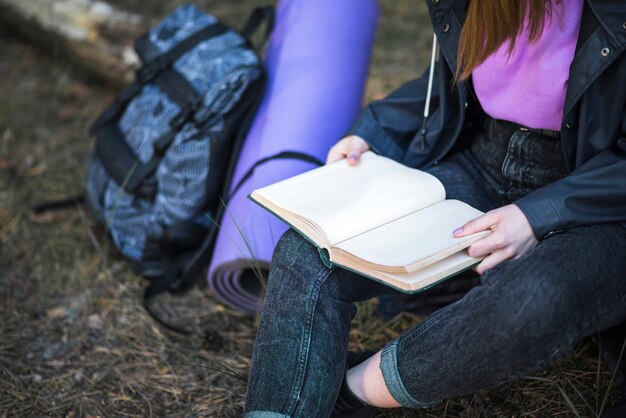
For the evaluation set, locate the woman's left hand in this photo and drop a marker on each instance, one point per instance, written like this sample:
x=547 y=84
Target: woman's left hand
x=512 y=236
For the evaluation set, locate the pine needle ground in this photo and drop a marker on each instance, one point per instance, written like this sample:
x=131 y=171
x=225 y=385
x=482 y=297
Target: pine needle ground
x=74 y=338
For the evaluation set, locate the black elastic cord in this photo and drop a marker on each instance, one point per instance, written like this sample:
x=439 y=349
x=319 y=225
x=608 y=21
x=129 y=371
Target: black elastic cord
x=296 y=155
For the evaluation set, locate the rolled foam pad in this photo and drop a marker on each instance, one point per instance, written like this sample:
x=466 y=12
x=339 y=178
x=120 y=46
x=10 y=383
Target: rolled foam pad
x=317 y=64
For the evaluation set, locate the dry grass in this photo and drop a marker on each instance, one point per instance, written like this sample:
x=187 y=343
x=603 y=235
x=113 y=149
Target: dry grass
x=74 y=339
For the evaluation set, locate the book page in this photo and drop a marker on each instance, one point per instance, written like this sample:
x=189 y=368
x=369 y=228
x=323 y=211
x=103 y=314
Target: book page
x=345 y=201
x=413 y=241
x=430 y=275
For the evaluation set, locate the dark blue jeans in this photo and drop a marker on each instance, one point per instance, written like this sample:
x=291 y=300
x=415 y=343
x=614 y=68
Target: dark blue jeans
x=526 y=313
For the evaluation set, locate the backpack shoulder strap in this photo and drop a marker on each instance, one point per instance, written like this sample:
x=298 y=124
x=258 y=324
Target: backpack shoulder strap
x=257 y=17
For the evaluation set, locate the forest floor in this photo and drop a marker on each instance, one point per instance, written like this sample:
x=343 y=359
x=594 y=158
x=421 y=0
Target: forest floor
x=74 y=338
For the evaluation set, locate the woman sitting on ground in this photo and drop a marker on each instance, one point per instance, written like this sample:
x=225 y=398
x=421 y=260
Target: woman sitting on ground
x=528 y=125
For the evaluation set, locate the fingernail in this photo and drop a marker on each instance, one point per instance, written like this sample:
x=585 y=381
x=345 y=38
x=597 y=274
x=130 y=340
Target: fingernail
x=352 y=157
x=457 y=231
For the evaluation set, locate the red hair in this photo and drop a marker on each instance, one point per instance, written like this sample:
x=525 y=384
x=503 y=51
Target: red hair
x=490 y=23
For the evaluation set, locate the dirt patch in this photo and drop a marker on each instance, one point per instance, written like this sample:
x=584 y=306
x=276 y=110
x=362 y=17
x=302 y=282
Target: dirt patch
x=74 y=338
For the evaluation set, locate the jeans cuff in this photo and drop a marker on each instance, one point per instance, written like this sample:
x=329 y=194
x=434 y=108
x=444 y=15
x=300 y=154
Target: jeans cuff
x=389 y=368
x=264 y=414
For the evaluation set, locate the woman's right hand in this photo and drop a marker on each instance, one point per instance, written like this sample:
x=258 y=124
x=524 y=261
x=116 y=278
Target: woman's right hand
x=350 y=147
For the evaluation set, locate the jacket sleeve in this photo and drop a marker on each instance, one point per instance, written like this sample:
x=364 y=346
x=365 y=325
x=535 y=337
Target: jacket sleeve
x=389 y=125
x=593 y=193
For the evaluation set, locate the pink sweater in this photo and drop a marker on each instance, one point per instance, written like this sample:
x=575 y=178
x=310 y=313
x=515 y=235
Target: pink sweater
x=529 y=86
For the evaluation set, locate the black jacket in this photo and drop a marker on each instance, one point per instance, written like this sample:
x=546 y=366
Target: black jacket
x=593 y=132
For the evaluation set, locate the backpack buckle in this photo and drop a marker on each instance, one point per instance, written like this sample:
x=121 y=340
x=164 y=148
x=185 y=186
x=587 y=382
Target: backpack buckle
x=185 y=114
x=179 y=120
x=146 y=73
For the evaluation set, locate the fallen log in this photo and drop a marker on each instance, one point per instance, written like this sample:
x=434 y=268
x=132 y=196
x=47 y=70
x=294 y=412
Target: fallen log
x=92 y=33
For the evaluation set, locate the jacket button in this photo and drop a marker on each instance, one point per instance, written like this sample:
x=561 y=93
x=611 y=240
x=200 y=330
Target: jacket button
x=436 y=2
x=568 y=125
x=445 y=28
x=605 y=51
x=624 y=25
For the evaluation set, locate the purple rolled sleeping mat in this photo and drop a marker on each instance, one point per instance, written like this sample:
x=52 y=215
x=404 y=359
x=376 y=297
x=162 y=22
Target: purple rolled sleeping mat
x=317 y=64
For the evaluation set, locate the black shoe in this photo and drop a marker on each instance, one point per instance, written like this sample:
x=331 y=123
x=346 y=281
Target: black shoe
x=347 y=404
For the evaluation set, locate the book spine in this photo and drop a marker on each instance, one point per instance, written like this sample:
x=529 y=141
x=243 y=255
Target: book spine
x=325 y=256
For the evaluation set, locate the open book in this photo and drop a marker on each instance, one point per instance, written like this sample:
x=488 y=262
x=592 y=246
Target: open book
x=380 y=219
